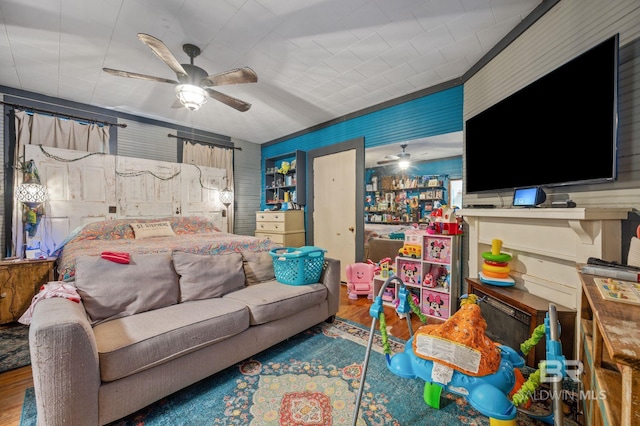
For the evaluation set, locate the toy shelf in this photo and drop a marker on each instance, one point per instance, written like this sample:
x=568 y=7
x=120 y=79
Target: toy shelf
x=431 y=270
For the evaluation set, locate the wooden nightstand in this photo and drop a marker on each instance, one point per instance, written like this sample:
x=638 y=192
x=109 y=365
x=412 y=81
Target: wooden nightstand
x=20 y=280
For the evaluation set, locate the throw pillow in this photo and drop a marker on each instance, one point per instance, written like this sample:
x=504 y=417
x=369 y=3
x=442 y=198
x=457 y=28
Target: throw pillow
x=258 y=267
x=152 y=229
x=205 y=276
x=111 y=290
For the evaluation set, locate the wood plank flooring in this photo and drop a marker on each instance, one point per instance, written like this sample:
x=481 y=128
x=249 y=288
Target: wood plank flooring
x=14 y=383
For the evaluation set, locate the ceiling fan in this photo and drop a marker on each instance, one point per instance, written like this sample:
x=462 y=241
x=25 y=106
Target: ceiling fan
x=394 y=158
x=192 y=85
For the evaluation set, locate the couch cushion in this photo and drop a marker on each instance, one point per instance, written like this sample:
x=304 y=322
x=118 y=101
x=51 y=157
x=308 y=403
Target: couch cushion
x=258 y=267
x=135 y=343
x=205 y=276
x=112 y=290
x=272 y=300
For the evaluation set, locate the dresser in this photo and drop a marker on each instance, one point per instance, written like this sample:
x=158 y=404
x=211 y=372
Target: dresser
x=284 y=227
x=19 y=281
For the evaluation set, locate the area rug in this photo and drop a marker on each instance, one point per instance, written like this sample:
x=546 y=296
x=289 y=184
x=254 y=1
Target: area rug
x=311 y=379
x=14 y=347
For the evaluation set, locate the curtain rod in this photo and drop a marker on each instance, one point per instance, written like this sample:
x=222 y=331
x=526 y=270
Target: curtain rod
x=60 y=114
x=239 y=148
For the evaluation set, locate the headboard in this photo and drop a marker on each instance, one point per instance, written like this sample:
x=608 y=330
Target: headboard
x=89 y=187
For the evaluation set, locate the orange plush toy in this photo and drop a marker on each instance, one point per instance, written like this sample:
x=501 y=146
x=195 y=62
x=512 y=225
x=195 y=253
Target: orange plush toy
x=460 y=342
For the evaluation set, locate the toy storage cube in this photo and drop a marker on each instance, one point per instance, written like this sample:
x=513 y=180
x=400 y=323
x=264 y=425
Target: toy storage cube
x=435 y=303
x=409 y=271
x=437 y=249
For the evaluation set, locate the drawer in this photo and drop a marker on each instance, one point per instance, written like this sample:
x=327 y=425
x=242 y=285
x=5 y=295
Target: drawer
x=276 y=238
x=273 y=227
x=291 y=220
x=291 y=239
x=270 y=216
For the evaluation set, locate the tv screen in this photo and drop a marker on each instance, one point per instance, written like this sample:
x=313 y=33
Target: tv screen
x=559 y=130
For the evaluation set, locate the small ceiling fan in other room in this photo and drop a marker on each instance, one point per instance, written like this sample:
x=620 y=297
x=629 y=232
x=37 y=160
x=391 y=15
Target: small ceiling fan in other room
x=193 y=83
x=401 y=158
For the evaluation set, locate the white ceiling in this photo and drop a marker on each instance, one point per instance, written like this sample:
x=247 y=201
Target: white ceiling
x=316 y=60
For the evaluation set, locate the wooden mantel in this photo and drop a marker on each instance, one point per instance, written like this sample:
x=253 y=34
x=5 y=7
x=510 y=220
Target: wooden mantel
x=546 y=244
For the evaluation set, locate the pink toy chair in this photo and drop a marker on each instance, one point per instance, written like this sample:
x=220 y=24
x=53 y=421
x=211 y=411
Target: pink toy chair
x=360 y=279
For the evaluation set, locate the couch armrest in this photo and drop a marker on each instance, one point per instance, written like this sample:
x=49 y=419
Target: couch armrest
x=331 y=278
x=64 y=362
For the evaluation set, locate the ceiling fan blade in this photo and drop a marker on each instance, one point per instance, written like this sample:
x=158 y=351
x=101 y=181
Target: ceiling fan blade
x=234 y=76
x=163 y=52
x=120 y=73
x=386 y=162
x=228 y=100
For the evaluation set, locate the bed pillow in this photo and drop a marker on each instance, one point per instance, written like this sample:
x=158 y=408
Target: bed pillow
x=205 y=276
x=258 y=267
x=111 y=290
x=152 y=229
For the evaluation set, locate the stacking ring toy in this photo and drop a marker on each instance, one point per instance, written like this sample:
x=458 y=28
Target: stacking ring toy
x=495 y=274
x=494 y=263
x=500 y=257
x=498 y=269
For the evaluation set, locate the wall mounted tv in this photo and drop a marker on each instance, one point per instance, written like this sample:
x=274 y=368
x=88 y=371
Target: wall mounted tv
x=559 y=130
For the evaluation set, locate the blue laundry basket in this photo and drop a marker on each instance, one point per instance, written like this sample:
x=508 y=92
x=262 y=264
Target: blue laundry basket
x=298 y=266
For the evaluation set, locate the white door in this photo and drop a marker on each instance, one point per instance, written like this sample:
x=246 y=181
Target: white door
x=81 y=189
x=85 y=188
x=334 y=215
x=200 y=193
x=147 y=188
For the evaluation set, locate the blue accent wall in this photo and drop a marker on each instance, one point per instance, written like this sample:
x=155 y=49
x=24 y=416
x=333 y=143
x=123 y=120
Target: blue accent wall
x=431 y=115
x=435 y=114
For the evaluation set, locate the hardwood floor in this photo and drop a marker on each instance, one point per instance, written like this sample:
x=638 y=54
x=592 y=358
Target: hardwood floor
x=14 y=383
x=12 y=387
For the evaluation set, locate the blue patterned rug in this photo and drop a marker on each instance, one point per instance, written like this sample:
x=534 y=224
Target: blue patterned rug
x=312 y=380
x=14 y=347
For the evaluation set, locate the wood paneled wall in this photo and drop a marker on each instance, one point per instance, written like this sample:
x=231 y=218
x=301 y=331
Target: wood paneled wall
x=568 y=29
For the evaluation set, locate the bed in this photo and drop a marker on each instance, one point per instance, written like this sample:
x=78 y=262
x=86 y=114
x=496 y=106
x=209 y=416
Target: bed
x=193 y=234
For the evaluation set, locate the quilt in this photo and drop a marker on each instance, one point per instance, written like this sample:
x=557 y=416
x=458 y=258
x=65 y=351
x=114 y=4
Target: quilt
x=193 y=234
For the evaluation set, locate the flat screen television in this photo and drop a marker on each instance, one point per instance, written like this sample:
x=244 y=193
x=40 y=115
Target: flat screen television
x=559 y=130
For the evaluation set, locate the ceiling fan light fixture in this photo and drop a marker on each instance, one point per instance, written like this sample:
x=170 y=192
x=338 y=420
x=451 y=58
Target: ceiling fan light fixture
x=192 y=97
x=404 y=164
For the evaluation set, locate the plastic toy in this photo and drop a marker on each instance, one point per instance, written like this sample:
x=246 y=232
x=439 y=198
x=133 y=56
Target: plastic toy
x=284 y=168
x=495 y=267
x=384 y=265
x=444 y=221
x=411 y=250
x=360 y=280
x=492 y=384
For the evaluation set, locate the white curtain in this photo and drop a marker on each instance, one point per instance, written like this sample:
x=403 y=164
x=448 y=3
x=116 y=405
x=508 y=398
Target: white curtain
x=37 y=129
x=211 y=156
x=45 y=130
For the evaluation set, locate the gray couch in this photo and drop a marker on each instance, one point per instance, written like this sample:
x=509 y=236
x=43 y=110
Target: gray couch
x=93 y=364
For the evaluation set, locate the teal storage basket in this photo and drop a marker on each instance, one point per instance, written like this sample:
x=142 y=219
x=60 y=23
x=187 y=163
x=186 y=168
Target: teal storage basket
x=298 y=266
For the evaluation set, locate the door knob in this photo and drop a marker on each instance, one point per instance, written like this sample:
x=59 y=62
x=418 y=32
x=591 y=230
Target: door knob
x=351 y=228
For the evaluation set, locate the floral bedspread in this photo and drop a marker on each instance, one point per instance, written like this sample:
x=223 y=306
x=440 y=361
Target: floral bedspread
x=193 y=234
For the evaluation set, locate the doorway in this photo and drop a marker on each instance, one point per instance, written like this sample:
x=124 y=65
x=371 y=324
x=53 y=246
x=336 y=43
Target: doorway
x=336 y=174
